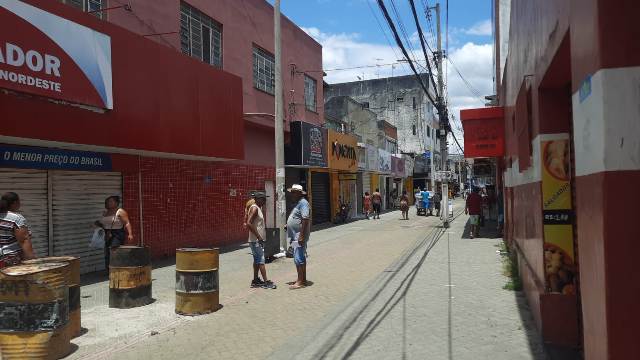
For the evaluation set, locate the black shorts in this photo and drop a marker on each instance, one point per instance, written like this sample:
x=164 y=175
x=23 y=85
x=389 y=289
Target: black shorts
x=376 y=208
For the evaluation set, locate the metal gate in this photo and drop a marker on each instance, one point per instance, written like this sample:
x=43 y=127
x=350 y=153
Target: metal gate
x=77 y=202
x=31 y=186
x=320 y=198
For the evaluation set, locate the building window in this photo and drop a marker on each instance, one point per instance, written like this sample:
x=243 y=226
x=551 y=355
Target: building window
x=400 y=99
x=200 y=35
x=310 y=86
x=87 y=5
x=415 y=106
x=414 y=130
x=264 y=71
x=365 y=105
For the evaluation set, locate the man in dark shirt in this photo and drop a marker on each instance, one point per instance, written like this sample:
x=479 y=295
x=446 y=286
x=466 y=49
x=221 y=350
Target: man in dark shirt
x=474 y=209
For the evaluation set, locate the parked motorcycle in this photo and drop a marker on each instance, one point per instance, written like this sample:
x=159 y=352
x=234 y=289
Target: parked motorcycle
x=342 y=216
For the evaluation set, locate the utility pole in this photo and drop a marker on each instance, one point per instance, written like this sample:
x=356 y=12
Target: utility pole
x=432 y=159
x=281 y=205
x=444 y=122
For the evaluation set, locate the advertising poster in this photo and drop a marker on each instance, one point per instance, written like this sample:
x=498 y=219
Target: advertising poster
x=384 y=160
x=342 y=151
x=314 y=151
x=559 y=257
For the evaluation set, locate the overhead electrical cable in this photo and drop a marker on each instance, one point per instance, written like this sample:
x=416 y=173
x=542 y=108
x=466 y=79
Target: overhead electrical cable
x=422 y=43
x=404 y=51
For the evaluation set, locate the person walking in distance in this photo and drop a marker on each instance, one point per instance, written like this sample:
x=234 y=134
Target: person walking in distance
x=257 y=234
x=298 y=231
x=437 y=199
x=474 y=209
x=376 y=200
x=114 y=221
x=15 y=237
x=367 y=204
x=404 y=205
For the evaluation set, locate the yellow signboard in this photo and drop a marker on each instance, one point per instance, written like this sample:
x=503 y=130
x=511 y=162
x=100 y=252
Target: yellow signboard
x=559 y=257
x=342 y=151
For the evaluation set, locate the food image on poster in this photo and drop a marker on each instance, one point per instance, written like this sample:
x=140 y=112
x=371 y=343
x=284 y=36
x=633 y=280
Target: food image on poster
x=556 y=159
x=559 y=257
x=560 y=271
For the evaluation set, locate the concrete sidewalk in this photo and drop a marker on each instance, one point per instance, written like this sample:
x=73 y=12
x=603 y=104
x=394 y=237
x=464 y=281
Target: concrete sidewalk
x=377 y=293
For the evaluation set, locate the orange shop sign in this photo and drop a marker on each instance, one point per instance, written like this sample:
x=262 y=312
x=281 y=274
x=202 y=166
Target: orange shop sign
x=342 y=151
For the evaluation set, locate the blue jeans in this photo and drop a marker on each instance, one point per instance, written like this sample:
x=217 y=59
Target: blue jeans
x=258 y=253
x=299 y=257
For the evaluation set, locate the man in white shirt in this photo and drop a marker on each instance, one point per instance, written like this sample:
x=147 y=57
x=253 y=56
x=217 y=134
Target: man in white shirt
x=257 y=234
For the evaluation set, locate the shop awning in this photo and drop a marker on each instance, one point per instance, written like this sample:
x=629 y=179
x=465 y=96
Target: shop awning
x=483 y=132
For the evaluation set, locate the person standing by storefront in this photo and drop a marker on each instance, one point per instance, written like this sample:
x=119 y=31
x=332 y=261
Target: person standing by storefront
x=367 y=204
x=474 y=209
x=298 y=231
x=376 y=200
x=117 y=227
x=257 y=235
x=437 y=199
x=15 y=237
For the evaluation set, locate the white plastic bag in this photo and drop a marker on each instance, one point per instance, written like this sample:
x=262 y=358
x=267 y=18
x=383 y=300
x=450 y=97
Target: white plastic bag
x=97 y=239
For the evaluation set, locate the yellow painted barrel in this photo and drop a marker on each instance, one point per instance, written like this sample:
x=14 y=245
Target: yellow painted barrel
x=34 y=311
x=197 y=290
x=74 y=326
x=129 y=277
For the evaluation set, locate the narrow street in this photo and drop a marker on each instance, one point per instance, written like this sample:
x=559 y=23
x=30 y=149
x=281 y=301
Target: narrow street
x=381 y=289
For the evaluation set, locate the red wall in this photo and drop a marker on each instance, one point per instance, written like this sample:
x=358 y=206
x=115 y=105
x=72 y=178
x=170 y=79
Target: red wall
x=163 y=102
x=244 y=23
x=189 y=203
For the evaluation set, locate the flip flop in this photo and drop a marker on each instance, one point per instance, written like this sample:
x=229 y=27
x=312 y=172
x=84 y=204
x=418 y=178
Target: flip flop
x=296 y=287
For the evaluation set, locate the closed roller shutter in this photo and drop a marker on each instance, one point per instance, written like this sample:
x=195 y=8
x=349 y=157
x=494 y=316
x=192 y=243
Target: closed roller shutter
x=320 y=198
x=77 y=202
x=31 y=186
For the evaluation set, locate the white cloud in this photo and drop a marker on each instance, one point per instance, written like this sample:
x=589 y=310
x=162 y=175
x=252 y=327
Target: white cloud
x=347 y=50
x=482 y=28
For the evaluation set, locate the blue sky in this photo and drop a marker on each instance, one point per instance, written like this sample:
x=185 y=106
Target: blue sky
x=351 y=35
x=355 y=16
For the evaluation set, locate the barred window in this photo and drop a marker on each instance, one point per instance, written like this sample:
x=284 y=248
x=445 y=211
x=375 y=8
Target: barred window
x=87 y=5
x=310 y=93
x=200 y=35
x=264 y=71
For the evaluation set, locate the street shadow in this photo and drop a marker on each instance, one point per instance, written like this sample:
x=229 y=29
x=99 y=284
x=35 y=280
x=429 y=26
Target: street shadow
x=72 y=349
x=488 y=231
x=536 y=343
x=398 y=295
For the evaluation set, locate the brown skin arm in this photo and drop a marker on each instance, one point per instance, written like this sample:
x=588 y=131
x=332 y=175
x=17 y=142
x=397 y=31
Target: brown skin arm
x=303 y=231
x=122 y=214
x=22 y=235
x=253 y=212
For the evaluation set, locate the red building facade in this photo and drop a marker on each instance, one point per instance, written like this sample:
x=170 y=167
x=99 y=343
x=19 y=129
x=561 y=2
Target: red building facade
x=185 y=140
x=570 y=94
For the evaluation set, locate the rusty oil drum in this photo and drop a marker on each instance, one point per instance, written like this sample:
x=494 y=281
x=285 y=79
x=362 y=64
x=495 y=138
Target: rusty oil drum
x=197 y=281
x=129 y=277
x=74 y=326
x=34 y=311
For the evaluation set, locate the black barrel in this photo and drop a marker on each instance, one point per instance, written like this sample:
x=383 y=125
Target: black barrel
x=129 y=277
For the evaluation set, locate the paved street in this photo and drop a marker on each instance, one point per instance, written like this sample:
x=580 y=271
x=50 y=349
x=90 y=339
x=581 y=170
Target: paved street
x=387 y=289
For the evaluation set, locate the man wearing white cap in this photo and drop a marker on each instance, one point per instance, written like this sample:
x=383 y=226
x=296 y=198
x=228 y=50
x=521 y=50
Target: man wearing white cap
x=298 y=230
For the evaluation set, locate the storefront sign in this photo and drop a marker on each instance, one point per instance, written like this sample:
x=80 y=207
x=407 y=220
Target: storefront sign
x=384 y=161
x=308 y=145
x=483 y=132
x=53 y=159
x=372 y=158
x=342 y=151
x=46 y=55
x=559 y=257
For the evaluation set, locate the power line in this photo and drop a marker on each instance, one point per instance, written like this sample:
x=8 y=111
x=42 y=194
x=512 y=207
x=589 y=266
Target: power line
x=383 y=31
x=475 y=92
x=422 y=42
x=404 y=51
x=403 y=30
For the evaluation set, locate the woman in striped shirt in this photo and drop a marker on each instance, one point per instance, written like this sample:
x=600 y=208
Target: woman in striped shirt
x=15 y=237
